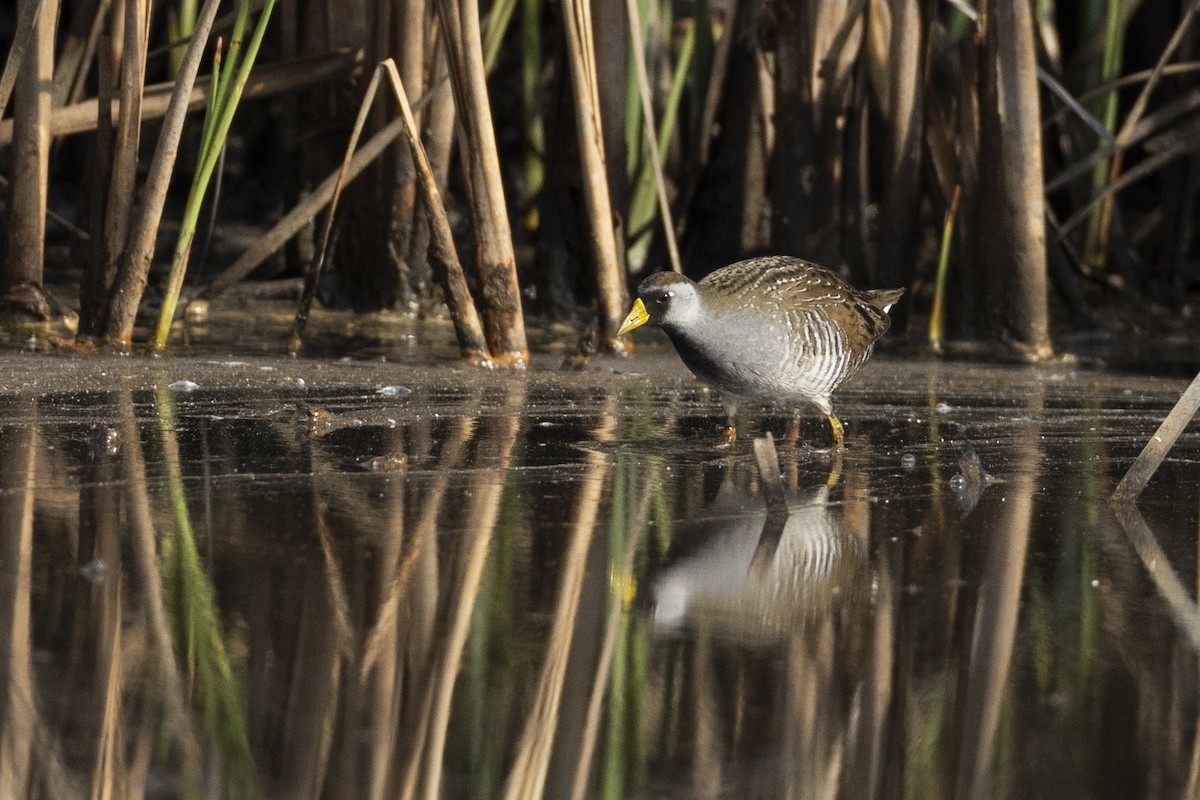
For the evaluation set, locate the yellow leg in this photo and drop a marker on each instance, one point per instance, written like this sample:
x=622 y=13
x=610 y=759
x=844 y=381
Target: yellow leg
x=835 y=467
x=837 y=434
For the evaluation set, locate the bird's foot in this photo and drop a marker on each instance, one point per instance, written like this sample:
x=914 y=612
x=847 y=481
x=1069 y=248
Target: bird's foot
x=728 y=437
x=837 y=434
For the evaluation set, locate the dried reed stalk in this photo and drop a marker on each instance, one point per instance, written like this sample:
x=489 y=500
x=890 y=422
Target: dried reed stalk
x=1147 y=463
x=611 y=294
x=643 y=84
x=31 y=156
x=1012 y=151
x=437 y=123
x=495 y=260
x=78 y=49
x=467 y=327
x=96 y=284
x=27 y=18
x=133 y=270
x=907 y=73
x=135 y=23
x=269 y=79
x=407 y=221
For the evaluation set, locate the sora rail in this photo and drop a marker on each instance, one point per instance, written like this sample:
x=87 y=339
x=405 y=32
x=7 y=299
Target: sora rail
x=776 y=328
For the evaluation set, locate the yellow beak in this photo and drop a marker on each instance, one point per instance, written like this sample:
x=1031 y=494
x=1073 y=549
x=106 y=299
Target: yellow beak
x=636 y=319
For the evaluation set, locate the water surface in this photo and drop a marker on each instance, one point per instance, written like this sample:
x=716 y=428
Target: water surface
x=361 y=579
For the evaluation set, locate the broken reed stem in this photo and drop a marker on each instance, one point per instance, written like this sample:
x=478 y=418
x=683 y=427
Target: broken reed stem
x=227 y=97
x=304 y=305
x=937 y=315
x=300 y=216
x=611 y=295
x=643 y=83
x=1152 y=455
x=134 y=267
x=467 y=325
x=768 y=474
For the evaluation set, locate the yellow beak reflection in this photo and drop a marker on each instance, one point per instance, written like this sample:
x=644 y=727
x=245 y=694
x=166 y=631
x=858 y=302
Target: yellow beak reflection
x=636 y=319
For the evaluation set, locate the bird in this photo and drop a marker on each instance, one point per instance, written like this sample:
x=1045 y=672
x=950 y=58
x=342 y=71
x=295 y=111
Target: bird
x=775 y=328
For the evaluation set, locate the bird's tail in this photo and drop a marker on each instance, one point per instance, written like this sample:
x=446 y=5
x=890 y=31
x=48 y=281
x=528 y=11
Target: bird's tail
x=884 y=299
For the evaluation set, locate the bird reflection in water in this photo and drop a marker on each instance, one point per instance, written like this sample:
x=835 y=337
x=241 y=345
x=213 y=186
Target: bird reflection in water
x=764 y=568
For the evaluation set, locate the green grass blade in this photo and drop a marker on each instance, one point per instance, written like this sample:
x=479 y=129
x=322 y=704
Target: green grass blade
x=534 y=149
x=228 y=103
x=221 y=81
x=643 y=208
x=181 y=24
x=498 y=20
x=938 y=312
x=1110 y=69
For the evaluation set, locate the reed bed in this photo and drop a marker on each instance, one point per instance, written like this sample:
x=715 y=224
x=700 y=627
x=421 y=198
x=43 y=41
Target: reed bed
x=566 y=163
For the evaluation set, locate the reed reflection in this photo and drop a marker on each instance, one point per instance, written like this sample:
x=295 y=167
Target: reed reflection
x=19 y=718
x=565 y=592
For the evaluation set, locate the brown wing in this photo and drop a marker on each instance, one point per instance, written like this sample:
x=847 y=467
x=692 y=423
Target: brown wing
x=799 y=288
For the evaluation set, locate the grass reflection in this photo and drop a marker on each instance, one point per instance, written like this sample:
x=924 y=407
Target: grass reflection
x=197 y=625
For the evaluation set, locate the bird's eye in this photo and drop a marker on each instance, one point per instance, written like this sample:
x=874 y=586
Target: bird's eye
x=664 y=297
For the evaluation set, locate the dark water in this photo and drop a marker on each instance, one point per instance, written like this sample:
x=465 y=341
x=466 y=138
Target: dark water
x=366 y=580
